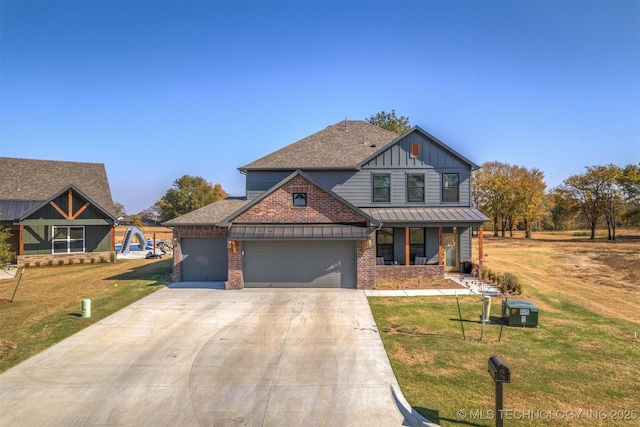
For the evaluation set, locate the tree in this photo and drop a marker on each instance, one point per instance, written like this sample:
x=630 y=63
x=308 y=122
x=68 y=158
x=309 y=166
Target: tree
x=390 y=122
x=491 y=188
x=629 y=182
x=561 y=207
x=6 y=254
x=529 y=188
x=119 y=209
x=589 y=191
x=188 y=194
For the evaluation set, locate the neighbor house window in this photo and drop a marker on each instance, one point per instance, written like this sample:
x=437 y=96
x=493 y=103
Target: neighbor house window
x=381 y=187
x=415 y=150
x=450 y=185
x=415 y=187
x=299 y=199
x=416 y=243
x=68 y=239
x=384 y=243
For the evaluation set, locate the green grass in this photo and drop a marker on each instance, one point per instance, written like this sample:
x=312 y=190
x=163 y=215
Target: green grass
x=48 y=303
x=574 y=360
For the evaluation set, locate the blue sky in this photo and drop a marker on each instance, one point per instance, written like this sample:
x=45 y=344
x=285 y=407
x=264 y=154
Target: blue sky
x=159 y=89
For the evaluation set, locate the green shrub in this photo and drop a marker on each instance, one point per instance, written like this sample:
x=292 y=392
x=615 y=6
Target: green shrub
x=70 y=261
x=103 y=259
x=50 y=262
x=510 y=282
x=92 y=260
x=27 y=264
x=60 y=262
x=38 y=264
x=81 y=260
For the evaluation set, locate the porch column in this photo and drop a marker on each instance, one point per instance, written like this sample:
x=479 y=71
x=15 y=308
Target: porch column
x=21 y=240
x=481 y=245
x=440 y=249
x=407 y=252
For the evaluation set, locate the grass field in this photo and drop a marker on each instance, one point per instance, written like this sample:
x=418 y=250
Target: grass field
x=582 y=357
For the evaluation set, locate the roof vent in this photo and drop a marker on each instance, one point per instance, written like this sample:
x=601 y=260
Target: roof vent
x=373 y=145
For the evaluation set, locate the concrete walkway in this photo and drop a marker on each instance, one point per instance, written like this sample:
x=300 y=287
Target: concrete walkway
x=191 y=355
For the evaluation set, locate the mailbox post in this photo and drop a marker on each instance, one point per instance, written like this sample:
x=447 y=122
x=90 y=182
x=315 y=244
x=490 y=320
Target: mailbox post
x=500 y=374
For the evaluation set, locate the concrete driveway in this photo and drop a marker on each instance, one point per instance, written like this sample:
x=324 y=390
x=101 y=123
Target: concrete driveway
x=189 y=356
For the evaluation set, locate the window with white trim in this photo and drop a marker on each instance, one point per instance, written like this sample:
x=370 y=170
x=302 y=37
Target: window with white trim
x=67 y=239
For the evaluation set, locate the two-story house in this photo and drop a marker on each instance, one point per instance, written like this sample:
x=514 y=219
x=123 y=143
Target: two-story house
x=338 y=208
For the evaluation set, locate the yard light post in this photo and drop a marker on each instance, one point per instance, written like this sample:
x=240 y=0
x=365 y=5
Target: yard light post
x=500 y=374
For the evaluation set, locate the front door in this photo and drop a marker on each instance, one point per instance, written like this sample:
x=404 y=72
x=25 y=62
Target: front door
x=450 y=244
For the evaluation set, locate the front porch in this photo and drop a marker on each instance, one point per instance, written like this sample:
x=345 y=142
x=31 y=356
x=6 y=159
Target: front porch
x=411 y=252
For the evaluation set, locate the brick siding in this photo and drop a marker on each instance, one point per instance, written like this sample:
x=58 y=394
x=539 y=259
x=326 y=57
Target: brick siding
x=400 y=272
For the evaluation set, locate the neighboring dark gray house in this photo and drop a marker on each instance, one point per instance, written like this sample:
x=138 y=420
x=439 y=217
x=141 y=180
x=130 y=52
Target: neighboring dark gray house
x=56 y=210
x=338 y=208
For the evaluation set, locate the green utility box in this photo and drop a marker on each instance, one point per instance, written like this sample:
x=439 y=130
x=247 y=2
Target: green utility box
x=520 y=313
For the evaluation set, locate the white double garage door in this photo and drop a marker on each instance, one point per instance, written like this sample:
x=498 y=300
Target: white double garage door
x=274 y=264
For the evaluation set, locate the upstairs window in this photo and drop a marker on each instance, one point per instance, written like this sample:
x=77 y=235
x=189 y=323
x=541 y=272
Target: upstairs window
x=381 y=187
x=299 y=199
x=415 y=187
x=450 y=186
x=68 y=240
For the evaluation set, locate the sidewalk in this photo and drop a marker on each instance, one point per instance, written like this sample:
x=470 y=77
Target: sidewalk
x=470 y=285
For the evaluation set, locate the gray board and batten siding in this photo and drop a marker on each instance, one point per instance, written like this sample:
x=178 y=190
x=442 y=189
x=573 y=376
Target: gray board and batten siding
x=356 y=186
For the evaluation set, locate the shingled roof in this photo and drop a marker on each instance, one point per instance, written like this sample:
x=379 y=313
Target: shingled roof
x=26 y=180
x=211 y=214
x=345 y=144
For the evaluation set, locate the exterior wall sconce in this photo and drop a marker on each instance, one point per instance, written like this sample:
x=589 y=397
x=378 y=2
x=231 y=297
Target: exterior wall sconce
x=455 y=229
x=366 y=244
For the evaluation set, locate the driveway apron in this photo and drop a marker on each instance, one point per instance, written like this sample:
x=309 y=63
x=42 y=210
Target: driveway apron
x=188 y=356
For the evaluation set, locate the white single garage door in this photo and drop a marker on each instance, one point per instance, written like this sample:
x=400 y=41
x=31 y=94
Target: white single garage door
x=300 y=263
x=204 y=260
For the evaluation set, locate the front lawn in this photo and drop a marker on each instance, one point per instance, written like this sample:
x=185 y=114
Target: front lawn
x=579 y=367
x=48 y=302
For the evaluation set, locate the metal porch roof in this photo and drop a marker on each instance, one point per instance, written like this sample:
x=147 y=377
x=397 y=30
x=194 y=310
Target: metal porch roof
x=298 y=232
x=427 y=215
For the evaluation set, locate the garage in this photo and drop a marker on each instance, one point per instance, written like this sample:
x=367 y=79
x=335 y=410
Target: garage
x=204 y=260
x=300 y=263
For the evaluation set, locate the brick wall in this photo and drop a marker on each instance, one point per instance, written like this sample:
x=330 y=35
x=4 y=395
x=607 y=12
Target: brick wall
x=409 y=271
x=278 y=206
x=236 y=276
x=366 y=263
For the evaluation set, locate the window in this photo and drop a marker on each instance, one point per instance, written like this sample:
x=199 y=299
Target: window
x=415 y=187
x=299 y=199
x=415 y=150
x=450 y=187
x=384 y=243
x=381 y=187
x=416 y=243
x=68 y=239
